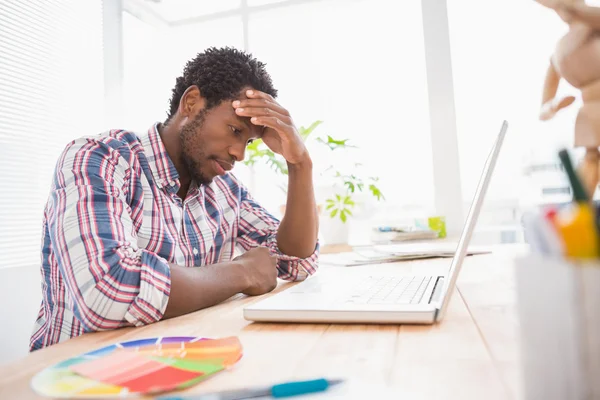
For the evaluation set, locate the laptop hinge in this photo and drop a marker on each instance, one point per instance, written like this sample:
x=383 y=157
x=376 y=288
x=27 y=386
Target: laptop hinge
x=436 y=295
x=437 y=290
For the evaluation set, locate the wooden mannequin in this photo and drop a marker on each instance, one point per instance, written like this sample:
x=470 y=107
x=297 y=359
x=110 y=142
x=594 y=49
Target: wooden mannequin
x=576 y=59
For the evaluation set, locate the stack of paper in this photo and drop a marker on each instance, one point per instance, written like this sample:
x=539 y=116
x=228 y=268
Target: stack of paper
x=403 y=235
x=398 y=252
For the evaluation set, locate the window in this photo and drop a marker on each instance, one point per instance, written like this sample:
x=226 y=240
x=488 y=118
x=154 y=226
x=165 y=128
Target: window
x=500 y=53
x=51 y=80
x=359 y=66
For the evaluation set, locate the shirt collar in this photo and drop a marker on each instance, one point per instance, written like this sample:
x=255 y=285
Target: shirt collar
x=162 y=167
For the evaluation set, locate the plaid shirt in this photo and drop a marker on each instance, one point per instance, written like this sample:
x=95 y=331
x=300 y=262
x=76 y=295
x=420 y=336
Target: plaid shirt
x=113 y=222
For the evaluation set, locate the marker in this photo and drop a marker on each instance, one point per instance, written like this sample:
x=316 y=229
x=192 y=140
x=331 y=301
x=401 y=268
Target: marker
x=277 y=391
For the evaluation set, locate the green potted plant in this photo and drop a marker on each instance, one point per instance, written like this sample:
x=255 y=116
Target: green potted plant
x=340 y=201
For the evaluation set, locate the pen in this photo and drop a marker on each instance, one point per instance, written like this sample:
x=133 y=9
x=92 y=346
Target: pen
x=277 y=391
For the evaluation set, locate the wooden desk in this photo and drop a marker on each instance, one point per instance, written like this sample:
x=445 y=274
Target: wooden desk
x=471 y=354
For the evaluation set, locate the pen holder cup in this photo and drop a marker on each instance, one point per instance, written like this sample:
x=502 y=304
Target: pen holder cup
x=559 y=315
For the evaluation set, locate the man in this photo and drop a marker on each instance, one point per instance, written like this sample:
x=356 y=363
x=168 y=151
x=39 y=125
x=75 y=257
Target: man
x=128 y=216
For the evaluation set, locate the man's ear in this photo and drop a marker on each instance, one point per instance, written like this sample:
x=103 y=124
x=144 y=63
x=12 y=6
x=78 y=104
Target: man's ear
x=191 y=102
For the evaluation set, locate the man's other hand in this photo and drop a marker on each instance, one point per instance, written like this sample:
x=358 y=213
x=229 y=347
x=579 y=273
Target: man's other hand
x=260 y=269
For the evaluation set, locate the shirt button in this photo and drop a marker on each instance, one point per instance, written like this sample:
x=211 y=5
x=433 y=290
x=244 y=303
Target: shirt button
x=195 y=251
x=172 y=183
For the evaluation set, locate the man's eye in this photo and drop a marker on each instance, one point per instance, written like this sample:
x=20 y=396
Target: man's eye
x=235 y=130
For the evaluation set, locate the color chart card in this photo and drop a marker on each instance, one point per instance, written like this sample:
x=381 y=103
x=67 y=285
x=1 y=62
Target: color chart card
x=138 y=367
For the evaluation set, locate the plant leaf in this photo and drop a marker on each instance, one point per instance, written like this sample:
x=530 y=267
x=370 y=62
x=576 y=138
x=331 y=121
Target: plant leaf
x=330 y=206
x=333 y=213
x=276 y=163
x=305 y=132
x=343 y=216
x=341 y=142
x=376 y=192
x=334 y=144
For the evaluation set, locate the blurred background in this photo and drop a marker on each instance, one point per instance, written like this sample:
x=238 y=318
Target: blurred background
x=419 y=89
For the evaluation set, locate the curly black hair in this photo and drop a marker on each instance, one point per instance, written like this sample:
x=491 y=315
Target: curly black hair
x=220 y=74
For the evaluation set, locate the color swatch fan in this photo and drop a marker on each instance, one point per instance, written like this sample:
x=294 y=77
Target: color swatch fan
x=138 y=367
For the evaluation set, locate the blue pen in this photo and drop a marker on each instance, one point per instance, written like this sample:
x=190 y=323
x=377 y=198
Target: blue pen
x=277 y=391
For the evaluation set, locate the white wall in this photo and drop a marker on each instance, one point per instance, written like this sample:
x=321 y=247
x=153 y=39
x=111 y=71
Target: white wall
x=20 y=296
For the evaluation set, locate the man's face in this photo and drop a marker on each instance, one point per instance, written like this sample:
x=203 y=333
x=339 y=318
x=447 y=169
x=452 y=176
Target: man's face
x=214 y=140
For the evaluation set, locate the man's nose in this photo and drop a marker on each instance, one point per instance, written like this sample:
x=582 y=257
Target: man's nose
x=238 y=152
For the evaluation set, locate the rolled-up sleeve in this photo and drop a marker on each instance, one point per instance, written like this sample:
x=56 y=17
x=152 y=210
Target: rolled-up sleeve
x=111 y=281
x=257 y=227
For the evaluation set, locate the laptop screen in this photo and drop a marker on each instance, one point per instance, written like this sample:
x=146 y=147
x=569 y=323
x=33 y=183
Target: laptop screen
x=470 y=222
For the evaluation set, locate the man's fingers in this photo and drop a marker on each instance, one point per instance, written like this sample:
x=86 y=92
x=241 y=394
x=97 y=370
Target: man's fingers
x=257 y=94
x=271 y=122
x=260 y=103
x=262 y=112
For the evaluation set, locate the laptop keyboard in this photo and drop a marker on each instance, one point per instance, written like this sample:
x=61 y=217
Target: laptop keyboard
x=389 y=290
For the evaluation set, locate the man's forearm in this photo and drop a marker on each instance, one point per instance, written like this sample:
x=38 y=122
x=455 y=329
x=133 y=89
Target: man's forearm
x=298 y=231
x=193 y=289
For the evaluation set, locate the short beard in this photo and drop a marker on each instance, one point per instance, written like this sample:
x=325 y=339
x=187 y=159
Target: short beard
x=187 y=134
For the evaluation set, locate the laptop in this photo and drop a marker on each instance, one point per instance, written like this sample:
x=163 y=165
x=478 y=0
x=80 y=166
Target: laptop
x=345 y=295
